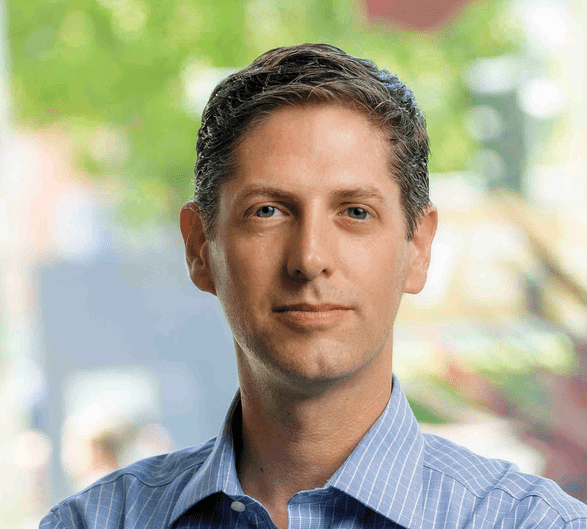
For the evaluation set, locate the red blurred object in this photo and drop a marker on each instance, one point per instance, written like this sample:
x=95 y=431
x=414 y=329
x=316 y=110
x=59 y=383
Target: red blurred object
x=420 y=15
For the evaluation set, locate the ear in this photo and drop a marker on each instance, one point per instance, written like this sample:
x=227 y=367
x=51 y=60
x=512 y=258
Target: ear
x=417 y=271
x=196 y=248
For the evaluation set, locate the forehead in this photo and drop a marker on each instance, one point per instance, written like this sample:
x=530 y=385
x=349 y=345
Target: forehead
x=313 y=149
x=308 y=130
x=361 y=113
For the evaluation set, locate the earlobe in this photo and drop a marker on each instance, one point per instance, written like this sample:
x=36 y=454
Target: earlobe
x=417 y=272
x=196 y=248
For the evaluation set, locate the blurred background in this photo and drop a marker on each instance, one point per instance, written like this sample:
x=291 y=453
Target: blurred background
x=109 y=354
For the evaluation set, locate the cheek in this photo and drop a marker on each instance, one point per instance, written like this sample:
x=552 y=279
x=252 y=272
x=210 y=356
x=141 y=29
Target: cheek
x=381 y=276
x=247 y=270
x=251 y=262
x=231 y=289
x=379 y=263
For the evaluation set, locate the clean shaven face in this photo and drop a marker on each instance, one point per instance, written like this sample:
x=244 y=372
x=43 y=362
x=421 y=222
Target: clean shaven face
x=310 y=258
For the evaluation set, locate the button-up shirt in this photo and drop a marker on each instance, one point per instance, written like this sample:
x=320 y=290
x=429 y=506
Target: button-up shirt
x=397 y=477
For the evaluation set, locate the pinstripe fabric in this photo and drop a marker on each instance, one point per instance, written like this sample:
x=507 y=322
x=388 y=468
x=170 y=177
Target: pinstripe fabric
x=396 y=477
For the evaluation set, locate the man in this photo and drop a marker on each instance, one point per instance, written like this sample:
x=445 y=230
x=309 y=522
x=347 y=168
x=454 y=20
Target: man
x=311 y=218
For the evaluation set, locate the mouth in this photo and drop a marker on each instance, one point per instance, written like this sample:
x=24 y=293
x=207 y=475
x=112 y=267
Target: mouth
x=307 y=307
x=305 y=316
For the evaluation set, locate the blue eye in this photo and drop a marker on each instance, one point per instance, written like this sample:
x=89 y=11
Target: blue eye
x=265 y=211
x=357 y=213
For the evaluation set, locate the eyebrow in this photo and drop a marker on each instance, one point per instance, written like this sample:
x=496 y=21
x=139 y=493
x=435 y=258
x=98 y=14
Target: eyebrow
x=360 y=192
x=279 y=193
x=264 y=190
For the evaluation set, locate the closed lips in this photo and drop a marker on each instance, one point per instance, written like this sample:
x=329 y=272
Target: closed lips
x=310 y=308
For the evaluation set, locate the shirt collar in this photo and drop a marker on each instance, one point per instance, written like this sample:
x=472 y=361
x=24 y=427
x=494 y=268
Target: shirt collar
x=218 y=472
x=384 y=472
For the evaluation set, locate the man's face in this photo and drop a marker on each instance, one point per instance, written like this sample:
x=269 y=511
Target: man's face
x=310 y=258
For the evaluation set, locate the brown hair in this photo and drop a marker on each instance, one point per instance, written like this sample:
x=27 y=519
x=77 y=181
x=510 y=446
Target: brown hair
x=310 y=73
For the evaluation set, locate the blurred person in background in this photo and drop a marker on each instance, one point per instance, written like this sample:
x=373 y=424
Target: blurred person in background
x=96 y=443
x=311 y=219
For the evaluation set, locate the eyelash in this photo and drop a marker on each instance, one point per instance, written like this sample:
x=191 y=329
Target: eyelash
x=275 y=208
x=265 y=206
x=362 y=209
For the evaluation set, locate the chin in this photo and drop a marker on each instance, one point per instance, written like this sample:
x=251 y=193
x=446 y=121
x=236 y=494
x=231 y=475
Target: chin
x=314 y=371
x=304 y=364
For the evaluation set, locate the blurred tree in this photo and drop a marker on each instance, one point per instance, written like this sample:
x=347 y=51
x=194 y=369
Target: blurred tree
x=112 y=73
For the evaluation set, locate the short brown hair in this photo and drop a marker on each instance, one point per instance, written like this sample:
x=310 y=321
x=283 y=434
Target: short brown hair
x=303 y=74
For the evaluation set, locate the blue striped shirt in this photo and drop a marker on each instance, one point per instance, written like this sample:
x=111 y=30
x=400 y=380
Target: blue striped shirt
x=396 y=477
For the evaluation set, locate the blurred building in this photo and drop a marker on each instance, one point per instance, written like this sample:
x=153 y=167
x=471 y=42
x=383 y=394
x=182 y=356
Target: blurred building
x=112 y=346
x=110 y=354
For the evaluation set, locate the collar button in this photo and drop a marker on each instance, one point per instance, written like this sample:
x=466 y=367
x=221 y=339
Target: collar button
x=237 y=506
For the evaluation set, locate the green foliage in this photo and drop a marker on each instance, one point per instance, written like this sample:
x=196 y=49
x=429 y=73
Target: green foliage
x=424 y=413
x=111 y=71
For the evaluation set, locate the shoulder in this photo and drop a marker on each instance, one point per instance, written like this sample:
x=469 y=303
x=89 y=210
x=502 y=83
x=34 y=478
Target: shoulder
x=492 y=488
x=153 y=484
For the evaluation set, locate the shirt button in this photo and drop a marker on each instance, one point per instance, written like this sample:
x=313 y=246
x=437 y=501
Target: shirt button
x=237 y=506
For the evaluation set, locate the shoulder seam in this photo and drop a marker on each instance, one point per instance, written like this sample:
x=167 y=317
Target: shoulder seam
x=55 y=515
x=125 y=472
x=539 y=496
x=152 y=485
x=509 y=494
x=452 y=477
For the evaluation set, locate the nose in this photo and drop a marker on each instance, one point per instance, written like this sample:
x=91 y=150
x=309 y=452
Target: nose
x=310 y=249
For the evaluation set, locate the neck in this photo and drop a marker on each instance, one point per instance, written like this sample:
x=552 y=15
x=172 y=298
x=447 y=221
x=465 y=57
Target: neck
x=289 y=444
